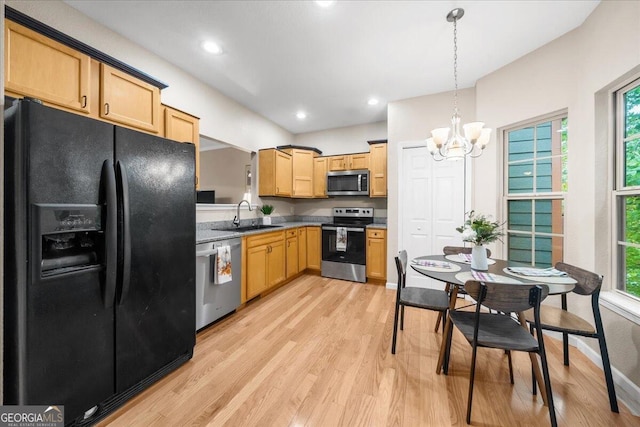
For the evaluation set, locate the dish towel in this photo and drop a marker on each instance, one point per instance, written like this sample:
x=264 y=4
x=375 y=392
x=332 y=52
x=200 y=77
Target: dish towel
x=341 y=239
x=223 y=267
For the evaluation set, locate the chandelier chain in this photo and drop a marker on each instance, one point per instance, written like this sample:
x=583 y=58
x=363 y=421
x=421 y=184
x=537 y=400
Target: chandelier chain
x=455 y=63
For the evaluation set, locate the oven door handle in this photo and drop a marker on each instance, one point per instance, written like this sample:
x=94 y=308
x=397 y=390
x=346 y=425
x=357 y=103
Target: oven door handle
x=330 y=228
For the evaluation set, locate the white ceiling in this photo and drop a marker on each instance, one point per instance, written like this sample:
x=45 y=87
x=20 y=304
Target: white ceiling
x=284 y=56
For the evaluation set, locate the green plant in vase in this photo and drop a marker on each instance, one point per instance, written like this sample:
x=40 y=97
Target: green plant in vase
x=479 y=230
x=266 y=211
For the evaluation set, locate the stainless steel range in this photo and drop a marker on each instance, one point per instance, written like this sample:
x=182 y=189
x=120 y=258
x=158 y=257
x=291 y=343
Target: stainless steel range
x=344 y=244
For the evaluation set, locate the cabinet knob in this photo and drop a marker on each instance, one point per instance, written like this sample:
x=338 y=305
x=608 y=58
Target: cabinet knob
x=84 y=101
x=106 y=109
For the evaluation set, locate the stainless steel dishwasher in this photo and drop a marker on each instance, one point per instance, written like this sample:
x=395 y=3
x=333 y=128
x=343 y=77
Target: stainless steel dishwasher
x=216 y=300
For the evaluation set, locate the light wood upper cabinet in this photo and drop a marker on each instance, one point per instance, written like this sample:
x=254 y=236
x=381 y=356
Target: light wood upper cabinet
x=302 y=172
x=314 y=247
x=358 y=161
x=274 y=173
x=378 y=170
x=127 y=100
x=376 y=254
x=183 y=127
x=349 y=162
x=320 y=168
x=42 y=68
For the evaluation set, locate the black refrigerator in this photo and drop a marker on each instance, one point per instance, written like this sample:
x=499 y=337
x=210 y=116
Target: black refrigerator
x=99 y=287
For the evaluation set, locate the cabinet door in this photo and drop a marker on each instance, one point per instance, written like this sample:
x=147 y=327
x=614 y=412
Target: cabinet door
x=292 y=256
x=302 y=249
x=182 y=127
x=314 y=250
x=338 y=163
x=378 y=170
x=302 y=173
x=277 y=263
x=283 y=174
x=359 y=161
x=256 y=270
x=376 y=255
x=129 y=101
x=42 y=68
x=320 y=177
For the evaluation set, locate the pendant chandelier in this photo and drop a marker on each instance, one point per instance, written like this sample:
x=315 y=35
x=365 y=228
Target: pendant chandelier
x=448 y=143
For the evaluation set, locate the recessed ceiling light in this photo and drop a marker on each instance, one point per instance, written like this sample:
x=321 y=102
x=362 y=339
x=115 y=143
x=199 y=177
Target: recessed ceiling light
x=301 y=115
x=372 y=101
x=325 y=3
x=212 y=47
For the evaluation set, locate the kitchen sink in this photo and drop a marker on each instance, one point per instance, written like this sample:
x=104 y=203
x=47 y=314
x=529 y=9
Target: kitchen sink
x=249 y=228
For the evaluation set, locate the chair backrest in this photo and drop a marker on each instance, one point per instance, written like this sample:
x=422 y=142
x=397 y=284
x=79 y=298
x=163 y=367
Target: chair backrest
x=401 y=266
x=588 y=282
x=454 y=250
x=505 y=297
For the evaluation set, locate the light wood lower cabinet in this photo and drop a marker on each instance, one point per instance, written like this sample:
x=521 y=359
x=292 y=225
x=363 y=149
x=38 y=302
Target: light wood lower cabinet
x=376 y=254
x=302 y=249
x=42 y=68
x=265 y=262
x=314 y=248
x=127 y=100
x=292 y=252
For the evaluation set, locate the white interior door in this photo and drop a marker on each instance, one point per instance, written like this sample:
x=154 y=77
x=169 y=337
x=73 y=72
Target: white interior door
x=431 y=198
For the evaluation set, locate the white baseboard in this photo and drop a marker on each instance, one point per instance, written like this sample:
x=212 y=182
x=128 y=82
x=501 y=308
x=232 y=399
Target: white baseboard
x=626 y=391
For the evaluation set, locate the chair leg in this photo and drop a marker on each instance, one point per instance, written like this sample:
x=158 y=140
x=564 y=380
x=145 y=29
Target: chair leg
x=510 y=366
x=606 y=365
x=438 y=321
x=472 y=375
x=448 y=350
x=547 y=383
x=534 y=385
x=565 y=348
x=441 y=315
x=395 y=328
x=402 y=318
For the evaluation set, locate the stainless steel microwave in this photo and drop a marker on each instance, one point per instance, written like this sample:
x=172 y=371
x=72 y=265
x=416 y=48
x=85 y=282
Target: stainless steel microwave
x=348 y=183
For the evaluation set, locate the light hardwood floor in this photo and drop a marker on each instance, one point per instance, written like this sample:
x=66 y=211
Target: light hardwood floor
x=316 y=352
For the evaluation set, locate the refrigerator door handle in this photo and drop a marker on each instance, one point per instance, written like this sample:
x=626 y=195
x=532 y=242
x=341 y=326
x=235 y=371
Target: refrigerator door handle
x=121 y=171
x=111 y=234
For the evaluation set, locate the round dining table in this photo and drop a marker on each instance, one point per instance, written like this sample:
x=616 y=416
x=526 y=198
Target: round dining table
x=455 y=270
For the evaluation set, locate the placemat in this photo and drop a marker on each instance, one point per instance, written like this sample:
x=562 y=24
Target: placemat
x=566 y=280
x=438 y=266
x=468 y=275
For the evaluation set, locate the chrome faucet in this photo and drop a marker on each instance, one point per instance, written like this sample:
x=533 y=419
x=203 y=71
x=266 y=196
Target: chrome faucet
x=236 y=219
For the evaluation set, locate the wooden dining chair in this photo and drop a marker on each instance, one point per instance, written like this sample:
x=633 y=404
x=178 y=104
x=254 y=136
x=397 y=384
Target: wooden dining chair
x=500 y=330
x=428 y=299
x=561 y=320
x=454 y=250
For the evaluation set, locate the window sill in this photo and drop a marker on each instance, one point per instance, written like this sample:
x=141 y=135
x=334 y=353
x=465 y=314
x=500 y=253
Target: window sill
x=622 y=305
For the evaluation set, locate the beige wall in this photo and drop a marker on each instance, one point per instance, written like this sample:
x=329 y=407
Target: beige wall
x=223 y=170
x=221 y=118
x=567 y=73
x=351 y=139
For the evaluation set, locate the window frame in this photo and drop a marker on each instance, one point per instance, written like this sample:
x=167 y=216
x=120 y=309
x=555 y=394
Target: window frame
x=530 y=196
x=620 y=191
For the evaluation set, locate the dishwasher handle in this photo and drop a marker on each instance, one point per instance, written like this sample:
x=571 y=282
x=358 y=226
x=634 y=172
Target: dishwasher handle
x=207 y=252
